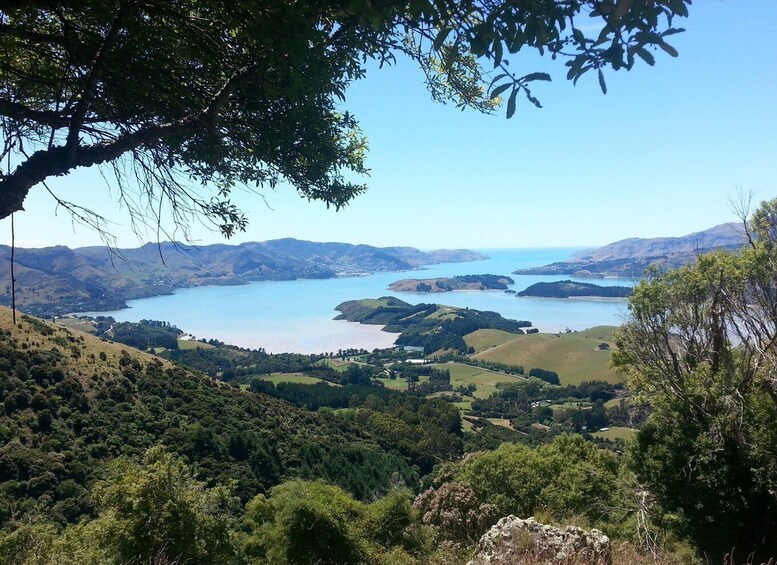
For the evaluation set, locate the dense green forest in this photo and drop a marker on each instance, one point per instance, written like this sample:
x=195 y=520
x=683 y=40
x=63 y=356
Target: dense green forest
x=100 y=440
x=69 y=407
x=146 y=334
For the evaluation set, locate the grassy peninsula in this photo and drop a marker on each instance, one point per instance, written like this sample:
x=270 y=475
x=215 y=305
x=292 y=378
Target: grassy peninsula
x=433 y=327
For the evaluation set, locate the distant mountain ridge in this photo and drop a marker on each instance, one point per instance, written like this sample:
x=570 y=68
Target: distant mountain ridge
x=57 y=280
x=630 y=257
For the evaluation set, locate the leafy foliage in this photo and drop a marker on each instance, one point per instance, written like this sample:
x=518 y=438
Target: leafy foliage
x=456 y=512
x=70 y=408
x=153 y=510
x=156 y=509
x=142 y=335
x=232 y=363
x=425 y=431
x=567 y=477
x=529 y=402
x=699 y=348
x=310 y=522
x=547 y=376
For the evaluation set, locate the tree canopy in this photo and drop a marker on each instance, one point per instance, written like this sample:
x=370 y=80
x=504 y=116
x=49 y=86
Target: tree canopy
x=185 y=99
x=699 y=346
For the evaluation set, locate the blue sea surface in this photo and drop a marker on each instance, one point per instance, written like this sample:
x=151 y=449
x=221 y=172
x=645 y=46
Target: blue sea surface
x=297 y=316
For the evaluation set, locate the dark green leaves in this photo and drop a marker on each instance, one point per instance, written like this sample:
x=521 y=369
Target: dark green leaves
x=669 y=49
x=536 y=76
x=511 y=103
x=645 y=55
x=440 y=39
x=500 y=89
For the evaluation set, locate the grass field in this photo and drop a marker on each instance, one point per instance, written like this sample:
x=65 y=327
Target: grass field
x=569 y=405
x=191 y=344
x=615 y=432
x=85 y=326
x=394 y=384
x=444 y=312
x=574 y=356
x=486 y=339
x=373 y=302
x=298 y=378
x=337 y=364
x=505 y=423
x=614 y=401
x=484 y=379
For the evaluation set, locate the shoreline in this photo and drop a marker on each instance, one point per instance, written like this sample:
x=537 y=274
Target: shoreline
x=297 y=315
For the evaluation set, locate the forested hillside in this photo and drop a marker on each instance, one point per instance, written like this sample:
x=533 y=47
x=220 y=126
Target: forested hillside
x=72 y=402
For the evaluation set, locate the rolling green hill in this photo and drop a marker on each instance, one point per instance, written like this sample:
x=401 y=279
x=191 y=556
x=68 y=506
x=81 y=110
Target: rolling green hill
x=485 y=339
x=574 y=356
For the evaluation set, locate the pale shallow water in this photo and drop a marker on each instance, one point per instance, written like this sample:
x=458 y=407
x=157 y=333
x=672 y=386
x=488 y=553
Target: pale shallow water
x=297 y=316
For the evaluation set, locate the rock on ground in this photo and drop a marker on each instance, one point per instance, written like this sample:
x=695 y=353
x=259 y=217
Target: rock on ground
x=514 y=541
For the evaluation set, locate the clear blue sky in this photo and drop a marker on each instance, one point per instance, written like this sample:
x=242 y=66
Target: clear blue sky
x=660 y=155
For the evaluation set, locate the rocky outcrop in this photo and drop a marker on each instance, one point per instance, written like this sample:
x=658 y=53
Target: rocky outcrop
x=513 y=541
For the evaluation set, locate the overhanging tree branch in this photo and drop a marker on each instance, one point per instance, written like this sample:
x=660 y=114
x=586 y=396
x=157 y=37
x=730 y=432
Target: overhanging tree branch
x=88 y=91
x=60 y=160
x=132 y=78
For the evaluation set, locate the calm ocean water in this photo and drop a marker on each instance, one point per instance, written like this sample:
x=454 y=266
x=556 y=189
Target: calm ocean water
x=296 y=316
